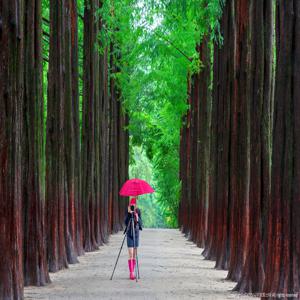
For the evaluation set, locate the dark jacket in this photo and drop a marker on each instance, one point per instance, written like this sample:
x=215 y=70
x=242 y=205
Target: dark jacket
x=137 y=225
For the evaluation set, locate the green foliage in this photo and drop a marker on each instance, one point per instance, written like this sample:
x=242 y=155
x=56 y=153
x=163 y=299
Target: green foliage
x=155 y=44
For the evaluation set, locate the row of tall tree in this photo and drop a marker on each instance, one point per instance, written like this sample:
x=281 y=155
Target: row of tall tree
x=240 y=150
x=59 y=181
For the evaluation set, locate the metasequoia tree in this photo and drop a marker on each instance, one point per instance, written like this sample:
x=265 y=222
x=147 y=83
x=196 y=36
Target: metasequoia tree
x=216 y=245
x=117 y=158
x=185 y=169
x=104 y=151
x=60 y=148
x=203 y=140
x=260 y=98
x=11 y=98
x=74 y=121
x=98 y=146
x=193 y=186
x=55 y=181
x=239 y=159
x=123 y=157
x=199 y=138
x=282 y=272
x=71 y=130
x=35 y=262
x=91 y=101
x=210 y=245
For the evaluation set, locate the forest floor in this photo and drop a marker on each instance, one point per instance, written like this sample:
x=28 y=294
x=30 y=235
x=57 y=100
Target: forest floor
x=170 y=268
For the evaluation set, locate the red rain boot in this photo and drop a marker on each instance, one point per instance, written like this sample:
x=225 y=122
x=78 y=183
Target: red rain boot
x=130 y=265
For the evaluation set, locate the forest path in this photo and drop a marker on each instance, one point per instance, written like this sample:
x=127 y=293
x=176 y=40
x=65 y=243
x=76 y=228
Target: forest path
x=170 y=268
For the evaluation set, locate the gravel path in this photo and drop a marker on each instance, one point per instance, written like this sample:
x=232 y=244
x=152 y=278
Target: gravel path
x=170 y=267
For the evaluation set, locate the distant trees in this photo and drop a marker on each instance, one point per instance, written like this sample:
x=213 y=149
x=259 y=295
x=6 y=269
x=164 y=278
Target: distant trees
x=194 y=163
x=252 y=209
x=56 y=192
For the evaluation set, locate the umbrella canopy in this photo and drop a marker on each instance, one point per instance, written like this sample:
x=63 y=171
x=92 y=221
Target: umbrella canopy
x=135 y=187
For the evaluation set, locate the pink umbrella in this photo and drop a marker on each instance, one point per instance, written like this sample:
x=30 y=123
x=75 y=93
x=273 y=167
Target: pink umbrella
x=135 y=187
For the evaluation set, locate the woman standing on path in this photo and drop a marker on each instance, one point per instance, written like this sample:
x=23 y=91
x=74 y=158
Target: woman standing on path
x=133 y=241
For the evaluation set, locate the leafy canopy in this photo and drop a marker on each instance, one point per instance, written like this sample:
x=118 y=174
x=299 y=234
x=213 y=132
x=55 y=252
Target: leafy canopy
x=155 y=47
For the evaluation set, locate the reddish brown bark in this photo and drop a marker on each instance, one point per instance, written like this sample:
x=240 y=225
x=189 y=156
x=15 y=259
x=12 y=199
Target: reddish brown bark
x=70 y=140
x=35 y=260
x=260 y=100
x=123 y=157
x=11 y=97
x=76 y=127
x=283 y=247
x=222 y=101
x=90 y=101
x=193 y=182
x=238 y=82
x=240 y=140
x=203 y=141
x=60 y=202
x=199 y=114
x=114 y=144
x=97 y=167
x=211 y=241
x=104 y=168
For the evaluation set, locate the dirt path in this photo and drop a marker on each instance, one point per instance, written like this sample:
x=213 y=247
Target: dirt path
x=170 y=268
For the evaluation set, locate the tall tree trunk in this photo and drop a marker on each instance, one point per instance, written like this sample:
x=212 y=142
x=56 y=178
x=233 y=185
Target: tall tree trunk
x=76 y=125
x=203 y=145
x=35 y=259
x=199 y=126
x=123 y=157
x=240 y=139
x=211 y=240
x=90 y=101
x=11 y=99
x=104 y=149
x=283 y=246
x=182 y=176
x=70 y=140
x=184 y=206
x=97 y=167
x=99 y=144
x=193 y=182
x=109 y=152
x=261 y=19
x=223 y=83
x=58 y=170
x=114 y=98
x=195 y=211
